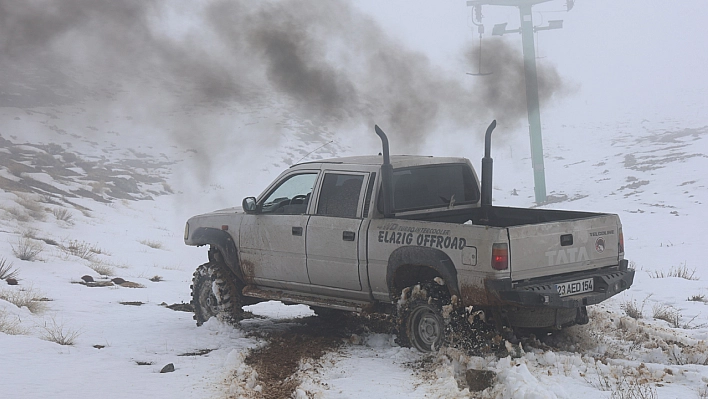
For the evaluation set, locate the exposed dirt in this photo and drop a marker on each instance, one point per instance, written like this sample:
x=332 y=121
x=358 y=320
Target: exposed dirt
x=181 y=307
x=292 y=340
x=200 y=352
x=276 y=362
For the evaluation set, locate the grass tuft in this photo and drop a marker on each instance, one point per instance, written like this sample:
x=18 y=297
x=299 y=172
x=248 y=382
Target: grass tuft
x=681 y=271
x=18 y=214
x=634 y=311
x=26 y=297
x=63 y=215
x=697 y=298
x=668 y=314
x=101 y=267
x=59 y=333
x=82 y=249
x=633 y=387
x=7 y=270
x=27 y=249
x=33 y=207
x=11 y=326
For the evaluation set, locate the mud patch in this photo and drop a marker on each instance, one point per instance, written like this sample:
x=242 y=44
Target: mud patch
x=180 y=307
x=200 y=352
x=278 y=361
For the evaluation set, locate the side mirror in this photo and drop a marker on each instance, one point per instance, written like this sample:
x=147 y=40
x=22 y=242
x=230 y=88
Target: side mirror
x=249 y=205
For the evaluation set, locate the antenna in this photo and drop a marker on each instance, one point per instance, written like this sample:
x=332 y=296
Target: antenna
x=308 y=154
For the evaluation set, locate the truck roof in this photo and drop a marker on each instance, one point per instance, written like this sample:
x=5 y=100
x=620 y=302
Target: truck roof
x=397 y=161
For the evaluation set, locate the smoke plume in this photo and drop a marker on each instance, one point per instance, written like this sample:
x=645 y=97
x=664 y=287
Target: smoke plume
x=324 y=59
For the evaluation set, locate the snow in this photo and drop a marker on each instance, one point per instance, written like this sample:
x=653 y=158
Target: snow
x=632 y=139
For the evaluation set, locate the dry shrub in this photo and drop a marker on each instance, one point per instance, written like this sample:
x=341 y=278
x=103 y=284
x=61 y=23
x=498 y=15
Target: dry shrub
x=81 y=249
x=33 y=207
x=697 y=298
x=27 y=248
x=63 y=215
x=6 y=270
x=18 y=214
x=101 y=267
x=25 y=297
x=57 y=332
x=667 y=313
x=630 y=386
x=632 y=310
x=11 y=325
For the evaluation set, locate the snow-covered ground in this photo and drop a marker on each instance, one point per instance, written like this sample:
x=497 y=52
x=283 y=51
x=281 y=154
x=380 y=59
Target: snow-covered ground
x=651 y=176
x=101 y=187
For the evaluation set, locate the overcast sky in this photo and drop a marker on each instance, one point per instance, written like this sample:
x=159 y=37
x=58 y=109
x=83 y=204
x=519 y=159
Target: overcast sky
x=644 y=55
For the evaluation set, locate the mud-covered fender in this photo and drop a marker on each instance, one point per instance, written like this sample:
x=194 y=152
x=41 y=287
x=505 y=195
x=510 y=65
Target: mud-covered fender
x=426 y=257
x=223 y=242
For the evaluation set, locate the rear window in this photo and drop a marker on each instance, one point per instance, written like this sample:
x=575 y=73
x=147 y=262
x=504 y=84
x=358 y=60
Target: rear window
x=432 y=186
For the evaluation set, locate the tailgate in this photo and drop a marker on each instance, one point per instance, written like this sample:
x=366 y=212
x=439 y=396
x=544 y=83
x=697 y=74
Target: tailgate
x=546 y=249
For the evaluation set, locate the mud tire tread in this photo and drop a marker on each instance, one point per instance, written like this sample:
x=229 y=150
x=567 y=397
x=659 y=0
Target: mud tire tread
x=228 y=301
x=429 y=294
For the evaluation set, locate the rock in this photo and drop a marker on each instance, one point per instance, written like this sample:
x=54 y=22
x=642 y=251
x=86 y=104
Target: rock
x=479 y=380
x=118 y=280
x=87 y=278
x=168 y=368
x=11 y=281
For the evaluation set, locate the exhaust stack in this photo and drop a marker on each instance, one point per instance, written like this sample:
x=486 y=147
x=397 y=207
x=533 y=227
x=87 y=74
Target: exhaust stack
x=487 y=164
x=386 y=175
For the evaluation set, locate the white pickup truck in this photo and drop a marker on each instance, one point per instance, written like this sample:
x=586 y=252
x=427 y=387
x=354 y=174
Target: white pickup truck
x=409 y=235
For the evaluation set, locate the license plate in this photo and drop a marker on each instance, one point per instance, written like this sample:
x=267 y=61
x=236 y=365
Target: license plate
x=575 y=287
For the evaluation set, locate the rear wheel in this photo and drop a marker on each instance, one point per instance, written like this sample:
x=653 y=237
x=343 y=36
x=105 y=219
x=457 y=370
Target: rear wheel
x=421 y=324
x=215 y=293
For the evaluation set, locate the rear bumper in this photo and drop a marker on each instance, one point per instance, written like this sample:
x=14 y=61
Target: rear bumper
x=543 y=293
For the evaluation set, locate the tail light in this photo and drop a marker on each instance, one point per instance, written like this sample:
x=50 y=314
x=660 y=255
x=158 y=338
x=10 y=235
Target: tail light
x=621 y=241
x=500 y=256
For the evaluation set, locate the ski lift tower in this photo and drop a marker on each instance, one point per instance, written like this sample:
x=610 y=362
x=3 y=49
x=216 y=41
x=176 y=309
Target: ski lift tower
x=534 y=114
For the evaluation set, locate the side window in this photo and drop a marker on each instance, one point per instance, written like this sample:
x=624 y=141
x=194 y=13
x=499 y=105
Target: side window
x=291 y=196
x=433 y=186
x=339 y=195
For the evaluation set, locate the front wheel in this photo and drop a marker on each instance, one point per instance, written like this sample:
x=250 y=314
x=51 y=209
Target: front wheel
x=215 y=293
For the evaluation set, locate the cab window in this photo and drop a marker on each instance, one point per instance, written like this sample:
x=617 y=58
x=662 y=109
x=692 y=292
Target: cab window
x=339 y=196
x=432 y=186
x=291 y=196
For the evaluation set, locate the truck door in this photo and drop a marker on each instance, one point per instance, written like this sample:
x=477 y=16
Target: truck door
x=333 y=233
x=272 y=246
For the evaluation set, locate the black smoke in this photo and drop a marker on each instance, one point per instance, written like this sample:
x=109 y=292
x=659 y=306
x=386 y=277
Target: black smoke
x=325 y=59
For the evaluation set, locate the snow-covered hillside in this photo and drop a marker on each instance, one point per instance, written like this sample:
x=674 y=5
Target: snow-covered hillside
x=107 y=147
x=120 y=213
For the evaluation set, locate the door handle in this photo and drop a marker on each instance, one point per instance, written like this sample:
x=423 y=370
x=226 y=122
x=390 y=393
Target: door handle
x=297 y=231
x=348 y=236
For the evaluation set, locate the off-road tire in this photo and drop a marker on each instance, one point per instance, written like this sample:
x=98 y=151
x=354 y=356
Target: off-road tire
x=420 y=320
x=216 y=293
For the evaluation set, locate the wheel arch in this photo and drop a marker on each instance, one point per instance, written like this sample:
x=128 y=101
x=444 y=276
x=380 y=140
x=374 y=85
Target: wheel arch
x=411 y=265
x=222 y=242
